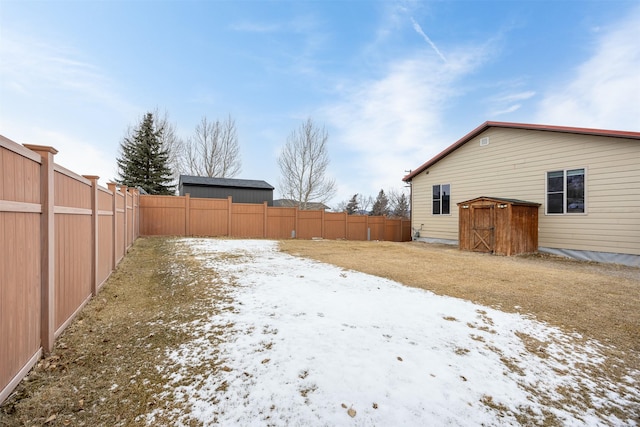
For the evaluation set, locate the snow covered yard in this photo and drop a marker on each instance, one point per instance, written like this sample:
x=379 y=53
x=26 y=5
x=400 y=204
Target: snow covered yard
x=306 y=343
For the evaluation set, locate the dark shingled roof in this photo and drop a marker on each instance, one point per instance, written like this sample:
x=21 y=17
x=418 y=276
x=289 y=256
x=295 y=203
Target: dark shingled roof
x=225 y=182
x=287 y=203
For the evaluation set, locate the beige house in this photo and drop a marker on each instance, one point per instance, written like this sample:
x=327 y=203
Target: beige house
x=587 y=182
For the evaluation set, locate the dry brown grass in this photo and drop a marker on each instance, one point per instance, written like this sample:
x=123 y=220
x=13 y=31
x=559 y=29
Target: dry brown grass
x=104 y=368
x=599 y=301
x=121 y=337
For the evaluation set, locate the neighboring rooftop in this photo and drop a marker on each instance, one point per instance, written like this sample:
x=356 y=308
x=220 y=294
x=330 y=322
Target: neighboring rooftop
x=225 y=182
x=287 y=203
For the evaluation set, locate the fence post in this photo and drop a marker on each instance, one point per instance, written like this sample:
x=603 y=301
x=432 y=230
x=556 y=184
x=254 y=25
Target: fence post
x=94 y=233
x=136 y=213
x=366 y=224
x=47 y=238
x=187 y=214
x=322 y=227
x=114 y=222
x=384 y=228
x=297 y=229
x=125 y=242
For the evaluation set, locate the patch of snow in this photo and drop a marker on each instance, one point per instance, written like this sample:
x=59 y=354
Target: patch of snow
x=310 y=341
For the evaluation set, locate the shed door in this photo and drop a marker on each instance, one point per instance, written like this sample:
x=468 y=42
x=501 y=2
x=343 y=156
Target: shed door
x=482 y=228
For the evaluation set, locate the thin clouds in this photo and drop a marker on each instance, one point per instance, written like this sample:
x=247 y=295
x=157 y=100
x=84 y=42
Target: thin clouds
x=513 y=97
x=508 y=103
x=605 y=89
x=59 y=99
x=43 y=70
x=418 y=29
x=395 y=122
x=507 y=110
x=295 y=43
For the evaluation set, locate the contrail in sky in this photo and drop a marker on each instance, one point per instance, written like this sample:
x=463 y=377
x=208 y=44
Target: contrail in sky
x=418 y=29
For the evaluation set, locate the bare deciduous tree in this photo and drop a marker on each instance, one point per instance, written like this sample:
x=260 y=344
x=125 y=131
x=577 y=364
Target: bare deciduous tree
x=171 y=142
x=303 y=165
x=214 y=150
x=398 y=203
x=365 y=203
x=341 y=206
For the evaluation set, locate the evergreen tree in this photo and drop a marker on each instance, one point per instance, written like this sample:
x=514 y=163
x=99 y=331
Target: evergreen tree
x=381 y=205
x=401 y=209
x=144 y=161
x=352 y=206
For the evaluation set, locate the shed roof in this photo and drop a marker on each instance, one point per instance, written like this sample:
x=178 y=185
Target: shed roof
x=225 y=182
x=516 y=202
x=486 y=125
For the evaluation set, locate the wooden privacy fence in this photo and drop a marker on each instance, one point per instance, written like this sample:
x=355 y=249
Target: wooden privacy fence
x=61 y=236
x=186 y=216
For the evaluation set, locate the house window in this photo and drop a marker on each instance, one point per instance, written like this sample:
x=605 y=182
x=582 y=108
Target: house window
x=565 y=191
x=441 y=199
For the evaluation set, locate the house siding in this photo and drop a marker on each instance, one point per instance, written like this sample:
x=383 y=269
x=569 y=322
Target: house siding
x=239 y=195
x=514 y=165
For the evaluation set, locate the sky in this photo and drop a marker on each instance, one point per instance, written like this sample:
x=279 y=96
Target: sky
x=311 y=344
x=392 y=82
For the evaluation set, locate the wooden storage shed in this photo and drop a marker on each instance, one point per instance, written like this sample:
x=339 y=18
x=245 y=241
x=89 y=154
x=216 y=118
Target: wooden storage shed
x=499 y=226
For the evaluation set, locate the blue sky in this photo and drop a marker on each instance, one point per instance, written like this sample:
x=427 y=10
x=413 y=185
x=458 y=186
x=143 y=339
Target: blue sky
x=393 y=82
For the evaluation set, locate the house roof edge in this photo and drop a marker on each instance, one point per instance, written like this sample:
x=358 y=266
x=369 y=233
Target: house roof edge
x=489 y=124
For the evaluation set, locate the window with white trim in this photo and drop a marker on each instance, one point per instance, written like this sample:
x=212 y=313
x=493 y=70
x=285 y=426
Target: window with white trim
x=441 y=199
x=565 y=192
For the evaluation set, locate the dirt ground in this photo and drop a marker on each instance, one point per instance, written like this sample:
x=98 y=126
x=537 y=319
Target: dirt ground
x=103 y=370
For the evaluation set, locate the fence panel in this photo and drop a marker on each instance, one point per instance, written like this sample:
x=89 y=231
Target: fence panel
x=136 y=214
x=406 y=230
x=393 y=230
x=335 y=225
x=162 y=216
x=248 y=220
x=129 y=220
x=73 y=240
x=281 y=223
x=209 y=217
x=106 y=260
x=376 y=227
x=309 y=224
x=357 y=227
x=20 y=263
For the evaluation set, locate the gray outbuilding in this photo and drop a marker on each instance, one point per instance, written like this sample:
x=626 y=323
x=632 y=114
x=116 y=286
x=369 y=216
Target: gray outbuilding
x=240 y=190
